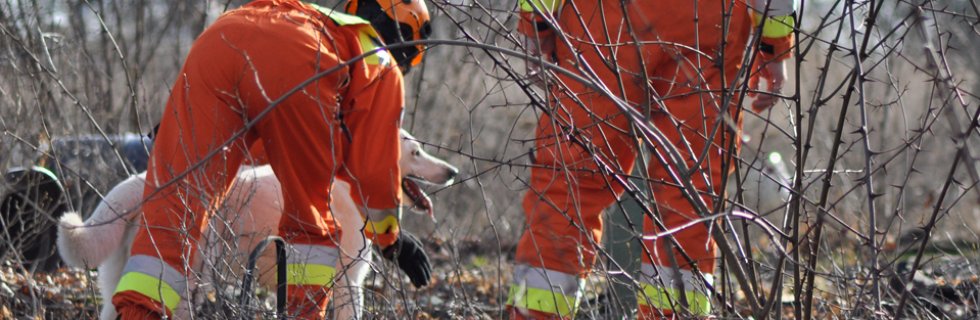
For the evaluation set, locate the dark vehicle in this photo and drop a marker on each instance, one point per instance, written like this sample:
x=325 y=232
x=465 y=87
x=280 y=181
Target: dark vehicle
x=70 y=173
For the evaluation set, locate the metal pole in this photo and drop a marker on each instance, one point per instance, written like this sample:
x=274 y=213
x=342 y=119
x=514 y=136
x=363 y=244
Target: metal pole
x=246 y=298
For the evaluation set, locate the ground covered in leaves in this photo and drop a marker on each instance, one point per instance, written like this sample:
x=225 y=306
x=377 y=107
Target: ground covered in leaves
x=465 y=286
x=469 y=285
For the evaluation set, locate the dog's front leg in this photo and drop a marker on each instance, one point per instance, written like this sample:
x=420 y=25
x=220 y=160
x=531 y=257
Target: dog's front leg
x=354 y=265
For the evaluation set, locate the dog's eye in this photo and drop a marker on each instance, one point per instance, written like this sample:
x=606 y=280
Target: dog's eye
x=416 y=153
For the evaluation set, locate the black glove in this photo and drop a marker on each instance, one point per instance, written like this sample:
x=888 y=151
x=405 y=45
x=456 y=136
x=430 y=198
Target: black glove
x=409 y=255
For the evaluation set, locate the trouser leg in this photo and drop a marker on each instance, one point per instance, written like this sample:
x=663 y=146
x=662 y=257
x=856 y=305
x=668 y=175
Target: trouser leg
x=568 y=192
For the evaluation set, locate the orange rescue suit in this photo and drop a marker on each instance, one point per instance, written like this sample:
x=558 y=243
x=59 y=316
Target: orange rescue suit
x=232 y=93
x=680 y=61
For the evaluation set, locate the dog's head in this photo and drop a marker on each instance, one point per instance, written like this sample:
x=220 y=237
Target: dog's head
x=418 y=166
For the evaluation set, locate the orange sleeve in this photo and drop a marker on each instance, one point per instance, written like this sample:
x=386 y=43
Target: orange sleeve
x=371 y=116
x=372 y=124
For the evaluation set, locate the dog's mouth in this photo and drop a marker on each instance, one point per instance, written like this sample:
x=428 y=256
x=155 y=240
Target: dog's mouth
x=420 y=201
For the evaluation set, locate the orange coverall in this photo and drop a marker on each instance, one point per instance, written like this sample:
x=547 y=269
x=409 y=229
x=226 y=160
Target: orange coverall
x=343 y=124
x=691 y=52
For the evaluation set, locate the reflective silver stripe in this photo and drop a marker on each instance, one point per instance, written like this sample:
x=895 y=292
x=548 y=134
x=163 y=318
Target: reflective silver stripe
x=378 y=215
x=540 y=278
x=776 y=7
x=313 y=254
x=156 y=268
x=662 y=276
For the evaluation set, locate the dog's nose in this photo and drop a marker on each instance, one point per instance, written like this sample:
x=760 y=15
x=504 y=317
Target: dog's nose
x=453 y=172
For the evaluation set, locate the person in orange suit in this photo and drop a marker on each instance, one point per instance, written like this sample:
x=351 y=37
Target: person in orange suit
x=679 y=62
x=236 y=88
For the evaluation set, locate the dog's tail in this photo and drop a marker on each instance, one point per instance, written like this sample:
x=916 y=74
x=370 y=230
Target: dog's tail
x=86 y=246
x=89 y=243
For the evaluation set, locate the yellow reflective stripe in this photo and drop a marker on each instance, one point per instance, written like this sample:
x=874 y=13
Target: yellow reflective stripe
x=345 y=19
x=367 y=45
x=151 y=287
x=310 y=274
x=776 y=27
x=541 y=300
x=369 y=42
x=699 y=304
x=386 y=225
x=541 y=5
x=339 y=17
x=367 y=36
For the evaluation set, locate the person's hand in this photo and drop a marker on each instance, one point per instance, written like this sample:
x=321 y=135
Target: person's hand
x=773 y=74
x=539 y=46
x=409 y=255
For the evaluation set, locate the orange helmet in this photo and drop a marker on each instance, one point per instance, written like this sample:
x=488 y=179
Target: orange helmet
x=397 y=21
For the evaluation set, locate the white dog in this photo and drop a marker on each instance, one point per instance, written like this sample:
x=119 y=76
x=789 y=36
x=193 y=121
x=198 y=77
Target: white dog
x=251 y=212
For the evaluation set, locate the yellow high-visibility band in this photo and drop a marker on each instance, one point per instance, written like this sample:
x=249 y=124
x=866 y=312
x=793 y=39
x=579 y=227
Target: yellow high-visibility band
x=340 y=17
x=386 y=225
x=542 y=300
x=658 y=297
x=368 y=37
x=310 y=274
x=367 y=44
x=776 y=27
x=151 y=287
x=541 y=5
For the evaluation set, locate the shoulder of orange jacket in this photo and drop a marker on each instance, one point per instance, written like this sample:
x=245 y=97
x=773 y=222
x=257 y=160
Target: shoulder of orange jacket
x=368 y=38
